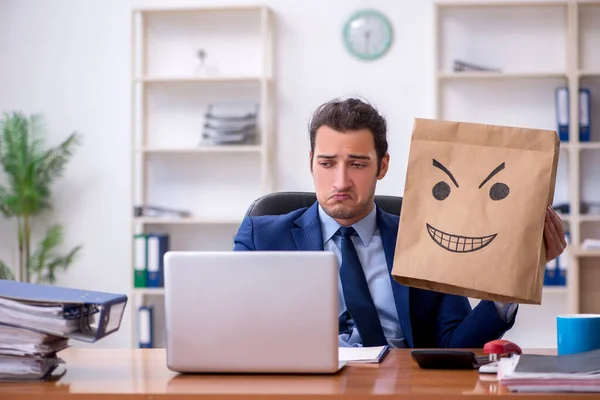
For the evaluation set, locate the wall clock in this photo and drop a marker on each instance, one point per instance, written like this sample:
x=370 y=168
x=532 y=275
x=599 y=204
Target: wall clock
x=368 y=34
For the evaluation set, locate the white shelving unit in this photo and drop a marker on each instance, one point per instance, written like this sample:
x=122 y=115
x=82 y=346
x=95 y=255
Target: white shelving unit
x=170 y=96
x=536 y=47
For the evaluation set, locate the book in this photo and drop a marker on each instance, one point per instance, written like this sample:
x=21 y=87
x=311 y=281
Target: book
x=362 y=355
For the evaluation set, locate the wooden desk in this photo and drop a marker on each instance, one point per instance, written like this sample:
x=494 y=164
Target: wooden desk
x=142 y=374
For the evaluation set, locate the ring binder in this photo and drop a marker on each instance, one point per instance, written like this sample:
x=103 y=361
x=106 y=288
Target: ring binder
x=36 y=322
x=73 y=313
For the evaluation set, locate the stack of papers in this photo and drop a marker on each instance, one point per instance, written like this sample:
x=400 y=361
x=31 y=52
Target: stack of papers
x=24 y=342
x=27 y=368
x=31 y=335
x=44 y=317
x=362 y=355
x=37 y=321
x=538 y=373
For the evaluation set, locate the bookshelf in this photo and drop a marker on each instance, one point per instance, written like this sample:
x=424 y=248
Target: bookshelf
x=533 y=48
x=170 y=94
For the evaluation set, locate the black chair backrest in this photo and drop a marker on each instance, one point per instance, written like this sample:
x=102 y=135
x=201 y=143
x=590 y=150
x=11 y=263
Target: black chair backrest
x=284 y=202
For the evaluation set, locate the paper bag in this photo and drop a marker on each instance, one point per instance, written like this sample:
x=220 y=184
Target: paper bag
x=473 y=212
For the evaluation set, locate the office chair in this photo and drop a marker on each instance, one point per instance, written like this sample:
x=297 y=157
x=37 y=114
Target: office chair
x=284 y=202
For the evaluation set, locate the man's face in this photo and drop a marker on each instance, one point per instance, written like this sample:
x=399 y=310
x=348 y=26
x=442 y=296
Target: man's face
x=344 y=169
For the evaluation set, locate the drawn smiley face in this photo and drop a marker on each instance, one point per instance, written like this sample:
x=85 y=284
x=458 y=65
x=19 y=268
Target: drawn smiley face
x=455 y=242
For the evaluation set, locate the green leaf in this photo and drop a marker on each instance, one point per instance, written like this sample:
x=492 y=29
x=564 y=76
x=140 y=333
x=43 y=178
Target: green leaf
x=15 y=157
x=45 y=249
x=5 y=272
x=59 y=262
x=5 y=200
x=30 y=169
x=53 y=161
x=45 y=261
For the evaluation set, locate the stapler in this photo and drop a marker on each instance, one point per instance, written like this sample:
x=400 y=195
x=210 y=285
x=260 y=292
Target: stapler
x=495 y=350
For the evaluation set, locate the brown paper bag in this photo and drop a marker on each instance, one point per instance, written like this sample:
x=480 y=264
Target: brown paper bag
x=473 y=211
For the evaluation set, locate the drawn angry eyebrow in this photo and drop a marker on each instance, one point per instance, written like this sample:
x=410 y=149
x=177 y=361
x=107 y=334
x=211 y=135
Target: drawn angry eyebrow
x=494 y=172
x=437 y=164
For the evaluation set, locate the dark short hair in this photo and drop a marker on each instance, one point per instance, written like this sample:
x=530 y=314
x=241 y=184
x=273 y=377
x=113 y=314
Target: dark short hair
x=350 y=115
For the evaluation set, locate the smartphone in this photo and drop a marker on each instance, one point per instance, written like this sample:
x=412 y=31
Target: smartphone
x=448 y=359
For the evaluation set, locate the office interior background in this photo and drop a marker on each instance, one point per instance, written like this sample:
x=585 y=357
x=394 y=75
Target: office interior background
x=136 y=79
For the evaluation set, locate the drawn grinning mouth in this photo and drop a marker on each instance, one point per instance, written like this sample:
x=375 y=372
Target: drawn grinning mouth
x=458 y=244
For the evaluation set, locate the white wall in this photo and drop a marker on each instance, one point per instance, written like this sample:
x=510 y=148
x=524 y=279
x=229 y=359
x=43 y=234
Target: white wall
x=70 y=60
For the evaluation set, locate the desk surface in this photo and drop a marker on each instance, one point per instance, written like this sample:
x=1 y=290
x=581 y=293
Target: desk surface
x=142 y=374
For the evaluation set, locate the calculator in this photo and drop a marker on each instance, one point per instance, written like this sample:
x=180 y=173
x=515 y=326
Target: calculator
x=448 y=359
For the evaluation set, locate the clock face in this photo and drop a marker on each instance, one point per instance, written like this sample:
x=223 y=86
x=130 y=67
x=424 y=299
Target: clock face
x=368 y=34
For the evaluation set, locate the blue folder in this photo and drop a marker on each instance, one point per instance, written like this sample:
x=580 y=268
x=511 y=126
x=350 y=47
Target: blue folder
x=158 y=245
x=584 y=114
x=562 y=112
x=146 y=327
x=91 y=315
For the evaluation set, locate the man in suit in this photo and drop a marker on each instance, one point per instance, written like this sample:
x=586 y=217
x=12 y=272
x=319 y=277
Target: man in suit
x=348 y=155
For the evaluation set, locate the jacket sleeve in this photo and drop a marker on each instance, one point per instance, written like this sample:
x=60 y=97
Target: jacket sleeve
x=244 y=239
x=459 y=326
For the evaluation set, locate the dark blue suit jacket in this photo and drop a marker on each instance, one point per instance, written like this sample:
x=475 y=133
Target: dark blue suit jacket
x=427 y=318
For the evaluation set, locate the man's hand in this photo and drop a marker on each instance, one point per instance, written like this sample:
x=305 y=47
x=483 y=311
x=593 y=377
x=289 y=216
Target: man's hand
x=554 y=235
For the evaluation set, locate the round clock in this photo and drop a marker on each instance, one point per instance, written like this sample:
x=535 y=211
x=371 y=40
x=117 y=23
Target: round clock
x=368 y=34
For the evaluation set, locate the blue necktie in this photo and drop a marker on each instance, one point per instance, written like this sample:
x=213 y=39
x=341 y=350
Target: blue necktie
x=356 y=293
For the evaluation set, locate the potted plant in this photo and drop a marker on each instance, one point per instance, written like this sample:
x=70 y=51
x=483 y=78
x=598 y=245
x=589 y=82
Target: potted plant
x=29 y=170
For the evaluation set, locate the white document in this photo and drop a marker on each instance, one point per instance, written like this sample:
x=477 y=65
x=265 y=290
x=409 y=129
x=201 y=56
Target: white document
x=362 y=355
x=15 y=368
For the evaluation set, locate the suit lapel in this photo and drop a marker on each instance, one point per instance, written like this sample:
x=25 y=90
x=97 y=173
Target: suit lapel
x=308 y=235
x=389 y=231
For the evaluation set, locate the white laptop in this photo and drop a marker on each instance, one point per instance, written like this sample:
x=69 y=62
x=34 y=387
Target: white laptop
x=252 y=312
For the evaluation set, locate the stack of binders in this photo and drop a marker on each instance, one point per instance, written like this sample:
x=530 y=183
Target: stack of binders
x=563 y=116
x=37 y=321
x=149 y=253
x=230 y=124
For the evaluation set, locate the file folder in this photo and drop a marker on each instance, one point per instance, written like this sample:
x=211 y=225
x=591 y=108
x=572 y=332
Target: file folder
x=140 y=260
x=562 y=113
x=158 y=245
x=83 y=314
x=145 y=324
x=584 y=115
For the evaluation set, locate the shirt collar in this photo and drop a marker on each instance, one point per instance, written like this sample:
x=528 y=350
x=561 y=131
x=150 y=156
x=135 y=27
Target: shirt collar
x=365 y=228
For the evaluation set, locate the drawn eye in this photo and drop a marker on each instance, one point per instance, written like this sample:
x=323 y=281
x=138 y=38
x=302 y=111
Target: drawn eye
x=498 y=191
x=441 y=190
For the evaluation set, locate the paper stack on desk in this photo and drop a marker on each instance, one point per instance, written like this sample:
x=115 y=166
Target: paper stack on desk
x=23 y=342
x=542 y=373
x=37 y=321
x=26 y=354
